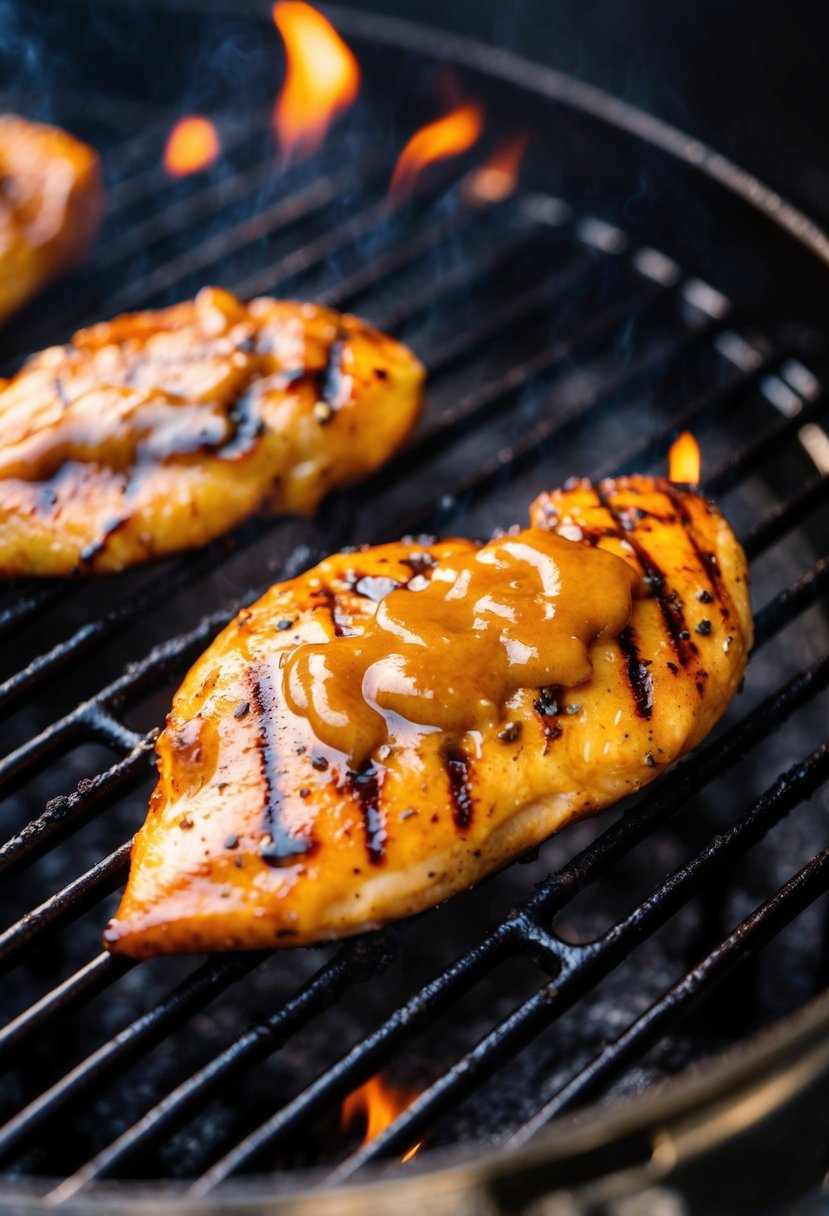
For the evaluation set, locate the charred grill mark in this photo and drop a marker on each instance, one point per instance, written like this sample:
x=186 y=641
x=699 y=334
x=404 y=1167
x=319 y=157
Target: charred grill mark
x=669 y=605
x=365 y=786
x=593 y=535
x=247 y=426
x=91 y=551
x=342 y=627
x=281 y=846
x=329 y=380
x=639 y=678
x=708 y=561
x=457 y=770
x=420 y=564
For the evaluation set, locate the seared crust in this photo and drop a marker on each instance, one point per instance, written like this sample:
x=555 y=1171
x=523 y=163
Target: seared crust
x=258 y=836
x=50 y=206
x=159 y=431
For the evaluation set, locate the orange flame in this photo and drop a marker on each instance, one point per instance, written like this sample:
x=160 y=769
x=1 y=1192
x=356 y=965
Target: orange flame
x=684 y=460
x=497 y=177
x=380 y=1104
x=192 y=144
x=322 y=78
x=448 y=136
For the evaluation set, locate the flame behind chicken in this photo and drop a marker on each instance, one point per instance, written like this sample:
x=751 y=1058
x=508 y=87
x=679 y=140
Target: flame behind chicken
x=283 y=821
x=159 y=431
x=50 y=206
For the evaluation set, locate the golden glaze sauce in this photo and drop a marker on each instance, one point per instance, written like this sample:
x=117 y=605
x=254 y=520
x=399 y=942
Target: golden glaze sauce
x=517 y=613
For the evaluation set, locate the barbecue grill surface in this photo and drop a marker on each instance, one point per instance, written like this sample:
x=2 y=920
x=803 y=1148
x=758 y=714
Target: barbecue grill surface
x=617 y=296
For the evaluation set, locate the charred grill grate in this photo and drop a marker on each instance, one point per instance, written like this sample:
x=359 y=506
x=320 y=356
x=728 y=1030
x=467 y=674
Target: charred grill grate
x=557 y=343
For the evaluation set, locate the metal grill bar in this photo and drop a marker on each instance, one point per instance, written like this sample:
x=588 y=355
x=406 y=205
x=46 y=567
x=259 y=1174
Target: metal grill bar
x=356 y=961
x=64 y=906
x=654 y=447
x=481 y=262
x=67 y=812
x=752 y=453
x=481 y=404
x=527 y=449
x=234 y=187
x=750 y=935
x=191 y=996
x=86 y=983
x=166 y=657
x=791 y=602
x=595 y=960
x=30 y=602
x=781 y=519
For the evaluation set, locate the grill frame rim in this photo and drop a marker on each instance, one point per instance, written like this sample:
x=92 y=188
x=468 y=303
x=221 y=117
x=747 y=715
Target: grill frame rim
x=786 y=1043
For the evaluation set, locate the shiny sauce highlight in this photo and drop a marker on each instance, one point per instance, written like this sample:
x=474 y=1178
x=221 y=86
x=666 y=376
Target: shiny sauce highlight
x=448 y=654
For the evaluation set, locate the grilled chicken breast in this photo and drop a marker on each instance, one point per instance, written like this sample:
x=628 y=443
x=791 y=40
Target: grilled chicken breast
x=259 y=833
x=50 y=206
x=159 y=431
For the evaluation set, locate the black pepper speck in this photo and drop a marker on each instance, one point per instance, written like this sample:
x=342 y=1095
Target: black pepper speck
x=703 y=627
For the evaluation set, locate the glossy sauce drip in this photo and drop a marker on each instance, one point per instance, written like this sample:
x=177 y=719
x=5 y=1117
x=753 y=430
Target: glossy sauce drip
x=517 y=613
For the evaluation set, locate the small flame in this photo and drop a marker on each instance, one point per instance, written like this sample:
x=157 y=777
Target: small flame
x=448 y=136
x=192 y=144
x=684 y=460
x=496 y=179
x=380 y=1104
x=322 y=78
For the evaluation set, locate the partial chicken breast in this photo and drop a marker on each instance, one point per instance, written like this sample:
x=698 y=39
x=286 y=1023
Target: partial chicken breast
x=50 y=206
x=297 y=802
x=159 y=431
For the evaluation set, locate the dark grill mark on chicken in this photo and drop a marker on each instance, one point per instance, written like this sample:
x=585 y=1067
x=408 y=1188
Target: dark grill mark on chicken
x=669 y=605
x=365 y=786
x=280 y=846
x=329 y=380
x=639 y=678
x=247 y=426
x=457 y=769
x=707 y=560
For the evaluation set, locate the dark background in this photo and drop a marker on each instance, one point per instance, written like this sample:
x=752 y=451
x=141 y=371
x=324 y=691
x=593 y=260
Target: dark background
x=750 y=77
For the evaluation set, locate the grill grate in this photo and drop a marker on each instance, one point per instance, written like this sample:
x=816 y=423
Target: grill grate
x=548 y=333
